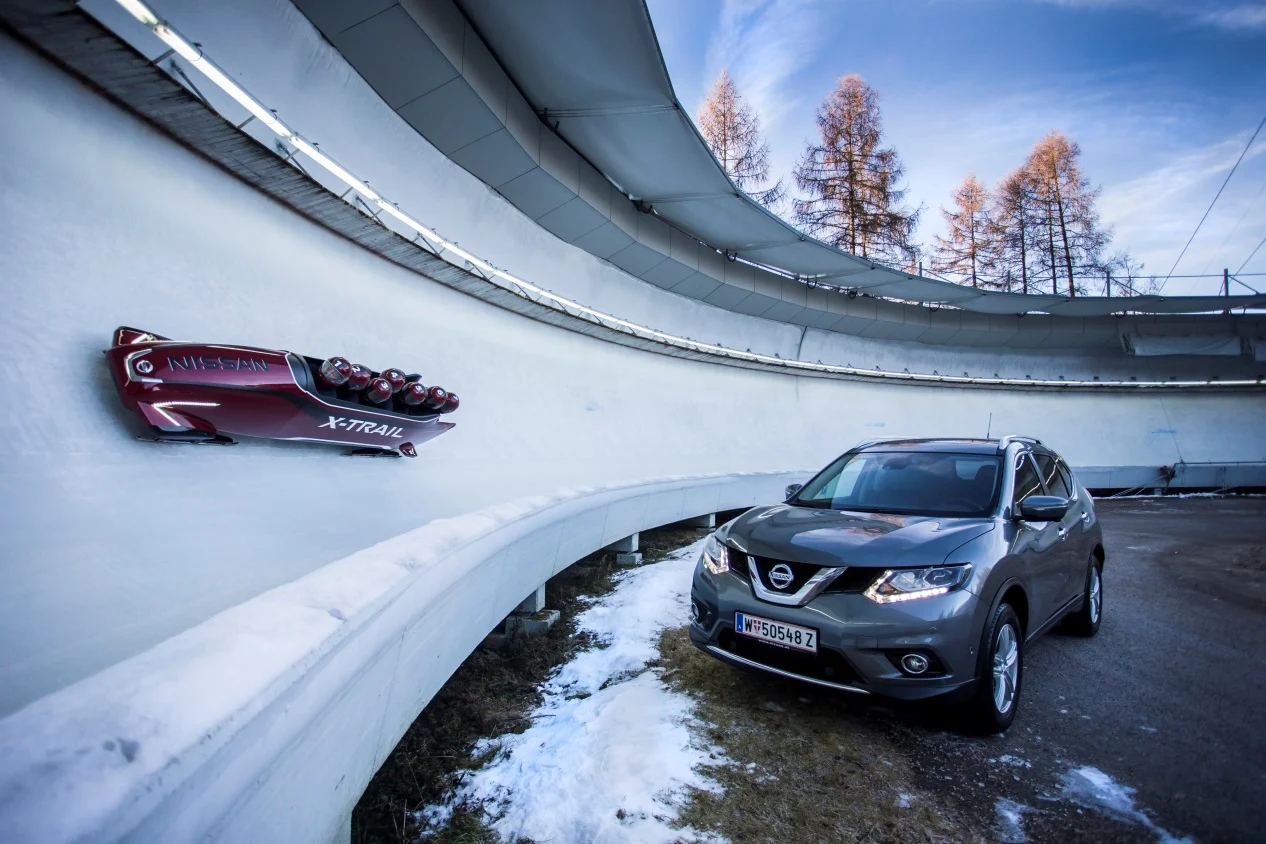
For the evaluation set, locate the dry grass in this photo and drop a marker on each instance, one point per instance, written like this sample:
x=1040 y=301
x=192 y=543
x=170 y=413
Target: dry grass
x=491 y=694
x=802 y=765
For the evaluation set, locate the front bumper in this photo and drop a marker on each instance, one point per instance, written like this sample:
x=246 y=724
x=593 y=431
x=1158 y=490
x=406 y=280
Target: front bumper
x=858 y=638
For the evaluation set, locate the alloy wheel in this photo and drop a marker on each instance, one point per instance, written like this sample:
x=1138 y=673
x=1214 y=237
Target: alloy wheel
x=1006 y=668
x=1096 y=594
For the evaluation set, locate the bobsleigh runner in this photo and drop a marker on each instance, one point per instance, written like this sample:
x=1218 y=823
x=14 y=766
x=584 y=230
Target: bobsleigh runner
x=200 y=393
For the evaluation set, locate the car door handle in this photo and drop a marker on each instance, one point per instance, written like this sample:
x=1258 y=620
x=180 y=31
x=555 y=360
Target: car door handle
x=1085 y=517
x=1063 y=534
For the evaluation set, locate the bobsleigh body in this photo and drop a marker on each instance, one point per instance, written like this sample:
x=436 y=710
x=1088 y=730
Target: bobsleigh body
x=206 y=392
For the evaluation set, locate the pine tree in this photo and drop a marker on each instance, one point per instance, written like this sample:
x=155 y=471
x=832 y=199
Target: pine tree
x=851 y=181
x=1066 y=204
x=968 y=251
x=732 y=131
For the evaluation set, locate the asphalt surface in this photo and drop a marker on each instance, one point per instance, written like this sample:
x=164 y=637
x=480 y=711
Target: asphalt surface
x=1153 y=729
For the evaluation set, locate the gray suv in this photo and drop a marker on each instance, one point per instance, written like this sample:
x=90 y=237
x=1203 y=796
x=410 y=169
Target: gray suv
x=908 y=568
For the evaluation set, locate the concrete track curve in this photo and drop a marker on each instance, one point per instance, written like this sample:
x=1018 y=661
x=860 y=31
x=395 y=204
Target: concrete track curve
x=114 y=546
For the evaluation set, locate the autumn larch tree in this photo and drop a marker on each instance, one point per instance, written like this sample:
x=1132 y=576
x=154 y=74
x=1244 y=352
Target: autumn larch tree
x=1066 y=204
x=968 y=249
x=1012 y=222
x=732 y=131
x=850 y=180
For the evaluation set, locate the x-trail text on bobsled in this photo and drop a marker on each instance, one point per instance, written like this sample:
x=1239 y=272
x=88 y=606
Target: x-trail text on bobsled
x=908 y=568
x=206 y=393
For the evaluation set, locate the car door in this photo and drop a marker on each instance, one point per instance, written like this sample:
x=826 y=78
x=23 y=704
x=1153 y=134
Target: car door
x=1068 y=549
x=1080 y=531
x=1037 y=545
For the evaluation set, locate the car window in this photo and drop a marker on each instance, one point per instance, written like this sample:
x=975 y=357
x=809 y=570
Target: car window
x=1055 y=484
x=1026 y=480
x=907 y=482
x=846 y=480
x=1067 y=475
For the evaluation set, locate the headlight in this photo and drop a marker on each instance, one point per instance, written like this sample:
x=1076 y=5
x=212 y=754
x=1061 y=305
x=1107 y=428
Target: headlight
x=716 y=557
x=908 y=584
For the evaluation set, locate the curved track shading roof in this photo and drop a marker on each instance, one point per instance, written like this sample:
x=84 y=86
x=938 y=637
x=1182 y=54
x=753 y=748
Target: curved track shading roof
x=565 y=107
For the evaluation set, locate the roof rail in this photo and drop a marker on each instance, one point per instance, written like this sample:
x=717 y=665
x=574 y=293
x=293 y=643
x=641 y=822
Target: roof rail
x=1007 y=439
x=877 y=440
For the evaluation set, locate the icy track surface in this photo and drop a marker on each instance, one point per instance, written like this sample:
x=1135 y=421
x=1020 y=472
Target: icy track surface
x=610 y=752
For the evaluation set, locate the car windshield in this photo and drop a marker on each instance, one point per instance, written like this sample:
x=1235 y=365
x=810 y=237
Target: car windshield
x=908 y=483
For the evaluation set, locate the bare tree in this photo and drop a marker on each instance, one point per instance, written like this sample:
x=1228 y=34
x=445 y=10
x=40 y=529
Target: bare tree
x=968 y=250
x=851 y=182
x=1123 y=276
x=732 y=131
x=1066 y=202
x=1012 y=221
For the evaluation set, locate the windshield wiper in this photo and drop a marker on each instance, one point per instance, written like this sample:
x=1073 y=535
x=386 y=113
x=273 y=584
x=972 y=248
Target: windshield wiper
x=814 y=505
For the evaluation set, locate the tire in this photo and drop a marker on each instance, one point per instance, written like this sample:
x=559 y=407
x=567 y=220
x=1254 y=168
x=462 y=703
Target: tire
x=1085 y=622
x=1001 y=676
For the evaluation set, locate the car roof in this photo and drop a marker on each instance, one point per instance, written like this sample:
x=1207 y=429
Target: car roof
x=944 y=446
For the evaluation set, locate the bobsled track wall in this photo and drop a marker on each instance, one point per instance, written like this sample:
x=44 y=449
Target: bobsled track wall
x=268 y=713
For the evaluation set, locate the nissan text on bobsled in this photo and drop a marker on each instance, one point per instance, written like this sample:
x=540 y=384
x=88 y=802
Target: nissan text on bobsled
x=205 y=393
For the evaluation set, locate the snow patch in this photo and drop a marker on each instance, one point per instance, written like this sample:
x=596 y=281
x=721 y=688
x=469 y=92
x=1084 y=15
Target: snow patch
x=610 y=755
x=1013 y=761
x=1010 y=820
x=1091 y=788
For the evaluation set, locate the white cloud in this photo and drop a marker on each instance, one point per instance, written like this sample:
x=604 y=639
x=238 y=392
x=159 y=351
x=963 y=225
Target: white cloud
x=1224 y=14
x=1246 y=16
x=767 y=45
x=1156 y=212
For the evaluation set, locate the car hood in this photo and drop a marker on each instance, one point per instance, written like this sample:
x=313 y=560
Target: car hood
x=835 y=537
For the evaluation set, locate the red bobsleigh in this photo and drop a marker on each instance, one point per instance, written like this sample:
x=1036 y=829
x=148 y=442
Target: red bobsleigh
x=202 y=393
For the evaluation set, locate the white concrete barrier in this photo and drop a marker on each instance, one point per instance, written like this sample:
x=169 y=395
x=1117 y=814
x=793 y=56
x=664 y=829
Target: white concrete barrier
x=266 y=722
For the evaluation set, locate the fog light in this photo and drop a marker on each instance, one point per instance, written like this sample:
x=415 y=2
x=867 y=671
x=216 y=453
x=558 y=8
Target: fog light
x=914 y=663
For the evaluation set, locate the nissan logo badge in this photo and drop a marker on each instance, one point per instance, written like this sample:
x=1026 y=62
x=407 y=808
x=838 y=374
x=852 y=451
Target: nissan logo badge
x=144 y=367
x=781 y=576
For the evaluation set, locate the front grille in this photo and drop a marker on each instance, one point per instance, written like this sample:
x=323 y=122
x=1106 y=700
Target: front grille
x=854 y=579
x=826 y=664
x=800 y=573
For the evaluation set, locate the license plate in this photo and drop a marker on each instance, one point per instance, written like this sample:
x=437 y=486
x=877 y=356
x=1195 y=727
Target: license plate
x=776 y=632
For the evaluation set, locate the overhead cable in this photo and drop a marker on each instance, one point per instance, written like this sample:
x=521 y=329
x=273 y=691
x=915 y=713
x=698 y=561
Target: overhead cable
x=1215 y=201
x=1250 y=257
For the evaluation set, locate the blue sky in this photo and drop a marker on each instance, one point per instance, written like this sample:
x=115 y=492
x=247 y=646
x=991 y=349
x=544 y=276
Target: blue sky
x=1162 y=95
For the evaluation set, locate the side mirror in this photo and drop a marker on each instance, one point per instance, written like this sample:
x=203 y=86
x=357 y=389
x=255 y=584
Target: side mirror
x=792 y=489
x=1044 y=508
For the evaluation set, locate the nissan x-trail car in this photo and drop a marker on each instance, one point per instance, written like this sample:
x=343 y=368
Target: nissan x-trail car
x=911 y=569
